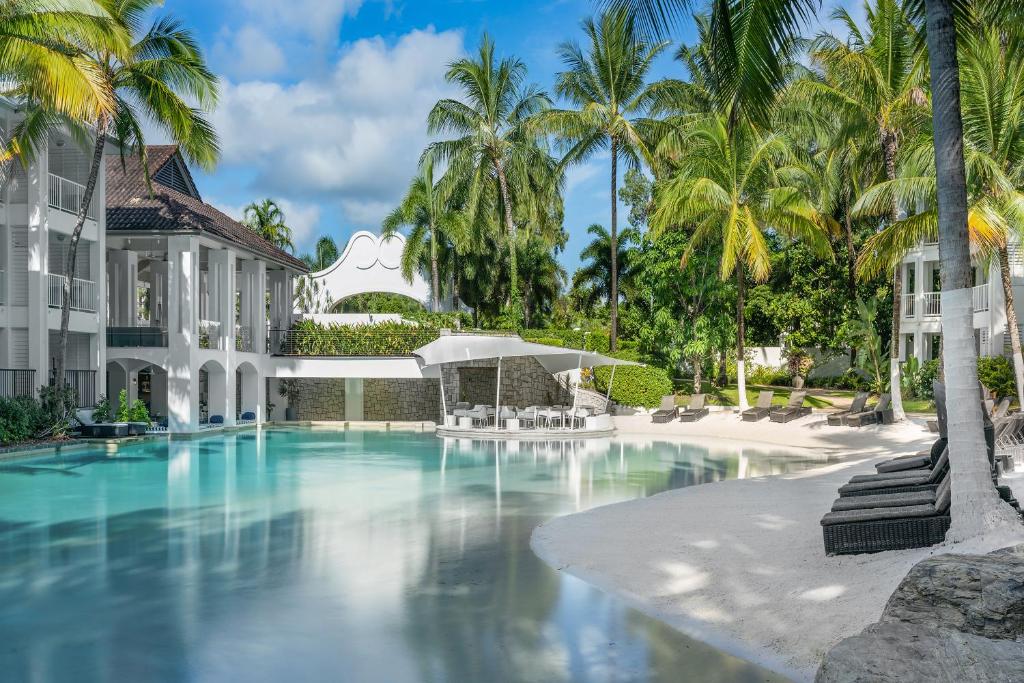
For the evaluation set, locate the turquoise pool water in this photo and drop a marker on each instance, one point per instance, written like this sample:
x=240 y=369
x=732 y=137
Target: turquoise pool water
x=299 y=555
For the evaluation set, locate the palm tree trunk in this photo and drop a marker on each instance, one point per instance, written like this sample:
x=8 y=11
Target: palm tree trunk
x=698 y=374
x=435 y=278
x=1011 y=321
x=889 y=149
x=613 y=292
x=741 y=334
x=510 y=229
x=976 y=507
x=851 y=264
x=69 y=262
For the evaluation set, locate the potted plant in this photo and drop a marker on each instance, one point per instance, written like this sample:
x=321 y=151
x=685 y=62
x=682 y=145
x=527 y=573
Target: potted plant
x=799 y=363
x=135 y=414
x=289 y=389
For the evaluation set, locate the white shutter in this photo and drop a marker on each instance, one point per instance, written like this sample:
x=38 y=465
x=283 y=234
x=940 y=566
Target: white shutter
x=19 y=348
x=19 y=265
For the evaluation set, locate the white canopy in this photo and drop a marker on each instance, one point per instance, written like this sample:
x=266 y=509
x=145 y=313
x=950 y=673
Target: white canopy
x=462 y=347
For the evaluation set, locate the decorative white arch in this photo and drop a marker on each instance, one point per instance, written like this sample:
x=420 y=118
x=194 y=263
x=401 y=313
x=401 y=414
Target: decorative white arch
x=371 y=263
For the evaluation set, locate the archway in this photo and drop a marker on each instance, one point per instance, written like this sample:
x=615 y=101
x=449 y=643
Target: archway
x=247 y=393
x=213 y=395
x=118 y=380
x=378 y=302
x=151 y=387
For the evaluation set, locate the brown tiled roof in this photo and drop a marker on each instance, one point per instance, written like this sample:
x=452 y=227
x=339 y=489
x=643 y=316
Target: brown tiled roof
x=132 y=207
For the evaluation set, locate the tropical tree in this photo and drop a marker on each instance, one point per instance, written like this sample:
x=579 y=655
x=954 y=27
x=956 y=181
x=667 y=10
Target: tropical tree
x=871 y=84
x=735 y=188
x=425 y=208
x=595 y=275
x=326 y=251
x=267 y=219
x=606 y=84
x=495 y=153
x=160 y=78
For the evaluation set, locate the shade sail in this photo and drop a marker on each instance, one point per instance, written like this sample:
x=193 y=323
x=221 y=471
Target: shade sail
x=465 y=347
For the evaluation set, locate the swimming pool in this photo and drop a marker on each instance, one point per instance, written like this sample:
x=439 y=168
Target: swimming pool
x=306 y=555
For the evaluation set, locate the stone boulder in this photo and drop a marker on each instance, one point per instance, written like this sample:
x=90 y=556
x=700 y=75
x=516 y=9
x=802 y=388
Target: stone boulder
x=910 y=652
x=978 y=594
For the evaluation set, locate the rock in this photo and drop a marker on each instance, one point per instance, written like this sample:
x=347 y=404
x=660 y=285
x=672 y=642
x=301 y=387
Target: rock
x=979 y=594
x=910 y=652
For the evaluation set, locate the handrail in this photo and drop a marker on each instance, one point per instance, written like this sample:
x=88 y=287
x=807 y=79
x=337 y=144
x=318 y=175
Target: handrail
x=981 y=298
x=83 y=293
x=136 y=337
x=209 y=334
x=909 y=305
x=82 y=382
x=15 y=382
x=932 y=304
x=66 y=195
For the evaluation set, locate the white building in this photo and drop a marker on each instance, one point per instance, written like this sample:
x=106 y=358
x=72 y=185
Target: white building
x=192 y=298
x=38 y=209
x=920 y=324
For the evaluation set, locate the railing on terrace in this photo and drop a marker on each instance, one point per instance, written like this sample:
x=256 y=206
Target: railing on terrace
x=933 y=304
x=137 y=337
x=243 y=338
x=209 y=334
x=66 y=195
x=355 y=341
x=82 y=383
x=981 y=298
x=17 y=383
x=3 y=286
x=909 y=305
x=83 y=293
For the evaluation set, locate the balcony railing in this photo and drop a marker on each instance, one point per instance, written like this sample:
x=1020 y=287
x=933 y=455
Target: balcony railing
x=243 y=338
x=17 y=383
x=3 y=286
x=83 y=293
x=82 y=383
x=981 y=298
x=932 y=304
x=136 y=337
x=909 y=305
x=209 y=334
x=66 y=195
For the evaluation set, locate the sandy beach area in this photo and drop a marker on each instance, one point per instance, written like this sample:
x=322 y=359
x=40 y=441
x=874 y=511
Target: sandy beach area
x=740 y=564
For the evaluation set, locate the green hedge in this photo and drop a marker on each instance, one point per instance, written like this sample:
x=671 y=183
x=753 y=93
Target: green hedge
x=309 y=338
x=597 y=341
x=997 y=374
x=634 y=385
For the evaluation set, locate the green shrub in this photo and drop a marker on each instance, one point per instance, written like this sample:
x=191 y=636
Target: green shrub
x=997 y=374
x=548 y=341
x=309 y=338
x=597 y=340
x=102 y=412
x=634 y=385
x=135 y=411
x=852 y=380
x=918 y=378
x=763 y=374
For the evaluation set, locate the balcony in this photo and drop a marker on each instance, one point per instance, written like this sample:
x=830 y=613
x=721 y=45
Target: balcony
x=66 y=195
x=209 y=334
x=82 y=383
x=137 y=337
x=243 y=338
x=909 y=306
x=83 y=293
x=932 y=304
x=15 y=383
x=981 y=298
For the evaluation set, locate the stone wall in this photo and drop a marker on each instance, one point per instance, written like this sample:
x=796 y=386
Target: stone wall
x=524 y=382
x=320 y=399
x=402 y=400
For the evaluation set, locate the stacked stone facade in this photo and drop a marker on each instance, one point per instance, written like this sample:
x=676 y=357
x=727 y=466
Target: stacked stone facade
x=319 y=399
x=524 y=382
x=402 y=400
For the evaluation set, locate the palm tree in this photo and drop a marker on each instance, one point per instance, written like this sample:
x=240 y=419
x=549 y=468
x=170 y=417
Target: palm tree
x=871 y=84
x=607 y=85
x=326 y=251
x=266 y=219
x=594 y=276
x=162 y=79
x=425 y=209
x=494 y=145
x=734 y=188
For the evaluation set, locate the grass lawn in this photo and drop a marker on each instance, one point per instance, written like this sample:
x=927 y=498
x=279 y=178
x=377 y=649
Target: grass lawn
x=820 y=398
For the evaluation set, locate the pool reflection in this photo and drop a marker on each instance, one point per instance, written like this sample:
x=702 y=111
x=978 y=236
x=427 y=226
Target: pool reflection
x=316 y=555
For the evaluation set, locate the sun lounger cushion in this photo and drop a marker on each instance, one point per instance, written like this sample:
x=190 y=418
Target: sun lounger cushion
x=884 y=500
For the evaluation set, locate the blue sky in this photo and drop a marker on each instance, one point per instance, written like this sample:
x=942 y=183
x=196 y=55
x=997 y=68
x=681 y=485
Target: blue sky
x=324 y=102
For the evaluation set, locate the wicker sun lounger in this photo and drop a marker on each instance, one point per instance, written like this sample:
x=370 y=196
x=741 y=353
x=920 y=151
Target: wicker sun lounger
x=761 y=409
x=876 y=415
x=695 y=410
x=839 y=419
x=925 y=458
x=667 y=411
x=897 y=482
x=793 y=409
x=872 y=530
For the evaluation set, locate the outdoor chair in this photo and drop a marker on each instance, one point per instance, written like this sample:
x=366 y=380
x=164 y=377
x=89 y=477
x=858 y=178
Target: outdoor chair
x=667 y=411
x=247 y=417
x=897 y=482
x=926 y=458
x=840 y=419
x=461 y=409
x=505 y=414
x=793 y=409
x=876 y=415
x=1001 y=409
x=761 y=409
x=480 y=416
x=527 y=416
x=895 y=524
x=695 y=410
x=216 y=419
x=579 y=418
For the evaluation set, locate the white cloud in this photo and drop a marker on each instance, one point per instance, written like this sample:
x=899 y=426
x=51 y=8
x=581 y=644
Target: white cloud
x=351 y=136
x=300 y=217
x=579 y=174
x=249 y=52
x=318 y=19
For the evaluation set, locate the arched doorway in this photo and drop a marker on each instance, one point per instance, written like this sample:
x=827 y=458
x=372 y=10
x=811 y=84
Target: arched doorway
x=247 y=393
x=213 y=395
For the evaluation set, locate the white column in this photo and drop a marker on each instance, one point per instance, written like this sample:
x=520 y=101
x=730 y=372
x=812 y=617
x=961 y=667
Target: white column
x=158 y=293
x=221 y=281
x=259 y=314
x=182 y=338
x=38 y=280
x=123 y=269
x=919 y=285
x=98 y=273
x=247 y=289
